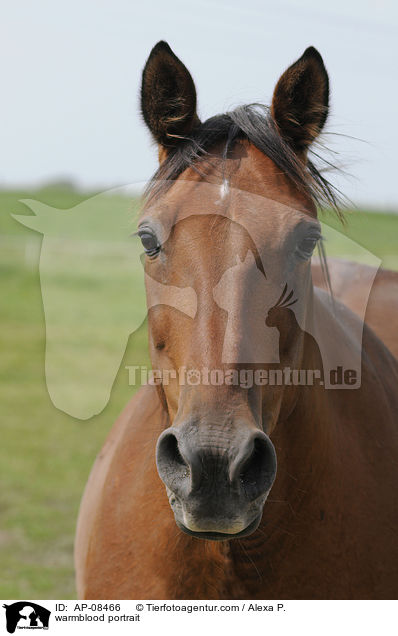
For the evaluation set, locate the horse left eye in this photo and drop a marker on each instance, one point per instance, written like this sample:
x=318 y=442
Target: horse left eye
x=307 y=246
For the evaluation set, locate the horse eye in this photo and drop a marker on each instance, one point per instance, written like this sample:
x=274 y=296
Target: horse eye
x=307 y=246
x=149 y=242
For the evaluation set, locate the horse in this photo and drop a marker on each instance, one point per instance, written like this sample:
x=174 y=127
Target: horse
x=220 y=490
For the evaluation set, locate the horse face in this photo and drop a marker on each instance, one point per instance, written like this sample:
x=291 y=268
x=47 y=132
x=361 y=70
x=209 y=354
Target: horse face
x=217 y=460
x=233 y=235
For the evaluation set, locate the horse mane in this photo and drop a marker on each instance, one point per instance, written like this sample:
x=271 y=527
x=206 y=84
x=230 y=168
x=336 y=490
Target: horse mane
x=252 y=122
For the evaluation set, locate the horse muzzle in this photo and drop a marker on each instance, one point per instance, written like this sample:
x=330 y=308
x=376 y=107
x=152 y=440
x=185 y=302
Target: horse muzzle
x=217 y=481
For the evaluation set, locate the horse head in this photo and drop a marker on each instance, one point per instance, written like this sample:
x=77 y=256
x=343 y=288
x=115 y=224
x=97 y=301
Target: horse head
x=230 y=214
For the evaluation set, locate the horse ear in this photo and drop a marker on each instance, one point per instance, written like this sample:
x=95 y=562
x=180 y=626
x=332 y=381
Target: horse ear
x=168 y=97
x=301 y=100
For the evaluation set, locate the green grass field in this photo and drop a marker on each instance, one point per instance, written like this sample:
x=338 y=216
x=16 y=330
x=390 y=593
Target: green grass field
x=46 y=455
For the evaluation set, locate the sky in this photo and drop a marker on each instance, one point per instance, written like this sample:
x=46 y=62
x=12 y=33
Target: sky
x=72 y=71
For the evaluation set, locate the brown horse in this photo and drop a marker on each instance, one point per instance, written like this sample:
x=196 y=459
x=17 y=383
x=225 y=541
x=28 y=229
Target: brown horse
x=230 y=218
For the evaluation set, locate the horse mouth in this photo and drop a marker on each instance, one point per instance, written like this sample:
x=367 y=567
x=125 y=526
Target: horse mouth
x=222 y=536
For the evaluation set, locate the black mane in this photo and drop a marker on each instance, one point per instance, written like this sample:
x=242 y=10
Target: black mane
x=254 y=123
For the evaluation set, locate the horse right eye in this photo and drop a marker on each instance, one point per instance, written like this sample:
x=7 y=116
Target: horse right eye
x=149 y=242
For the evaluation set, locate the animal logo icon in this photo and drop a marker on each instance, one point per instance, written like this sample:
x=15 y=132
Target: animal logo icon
x=93 y=282
x=92 y=288
x=26 y=615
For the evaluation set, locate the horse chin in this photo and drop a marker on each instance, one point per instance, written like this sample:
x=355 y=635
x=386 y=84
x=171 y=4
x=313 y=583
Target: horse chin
x=213 y=535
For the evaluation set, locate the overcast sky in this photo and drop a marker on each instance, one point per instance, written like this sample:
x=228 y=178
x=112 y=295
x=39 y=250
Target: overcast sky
x=71 y=76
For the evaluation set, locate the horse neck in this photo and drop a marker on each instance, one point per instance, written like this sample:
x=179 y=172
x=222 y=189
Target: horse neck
x=305 y=443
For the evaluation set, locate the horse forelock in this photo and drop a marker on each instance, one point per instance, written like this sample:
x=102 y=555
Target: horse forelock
x=252 y=122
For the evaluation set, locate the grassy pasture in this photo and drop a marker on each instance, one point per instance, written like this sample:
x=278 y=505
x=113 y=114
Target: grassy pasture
x=46 y=454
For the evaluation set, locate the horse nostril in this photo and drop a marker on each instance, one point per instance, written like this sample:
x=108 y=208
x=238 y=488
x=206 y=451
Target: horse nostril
x=172 y=451
x=258 y=471
x=185 y=471
x=171 y=465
